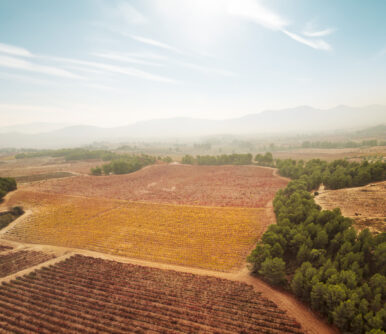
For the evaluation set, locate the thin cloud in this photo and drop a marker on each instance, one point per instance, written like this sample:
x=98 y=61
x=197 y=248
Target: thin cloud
x=146 y=55
x=14 y=50
x=130 y=71
x=317 y=44
x=130 y=14
x=255 y=11
x=25 y=78
x=155 y=43
x=125 y=58
x=21 y=64
x=382 y=52
x=320 y=33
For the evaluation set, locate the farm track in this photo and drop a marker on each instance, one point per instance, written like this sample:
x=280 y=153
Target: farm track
x=309 y=321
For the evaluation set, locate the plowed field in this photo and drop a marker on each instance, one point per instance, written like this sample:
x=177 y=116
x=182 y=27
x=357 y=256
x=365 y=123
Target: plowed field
x=241 y=186
x=88 y=295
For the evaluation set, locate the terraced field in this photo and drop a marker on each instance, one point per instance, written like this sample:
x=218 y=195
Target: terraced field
x=99 y=296
x=206 y=237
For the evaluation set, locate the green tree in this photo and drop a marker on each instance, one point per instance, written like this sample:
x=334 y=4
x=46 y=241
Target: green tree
x=317 y=294
x=321 y=240
x=273 y=270
x=96 y=171
x=344 y=314
x=187 y=159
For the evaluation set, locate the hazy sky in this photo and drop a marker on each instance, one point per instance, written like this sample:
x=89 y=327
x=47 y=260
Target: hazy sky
x=113 y=62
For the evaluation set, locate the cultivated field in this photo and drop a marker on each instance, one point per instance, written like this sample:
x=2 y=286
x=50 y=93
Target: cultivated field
x=366 y=205
x=99 y=296
x=243 y=186
x=207 y=237
x=330 y=154
x=14 y=261
x=32 y=167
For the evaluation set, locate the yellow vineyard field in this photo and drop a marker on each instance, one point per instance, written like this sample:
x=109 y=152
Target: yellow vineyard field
x=206 y=237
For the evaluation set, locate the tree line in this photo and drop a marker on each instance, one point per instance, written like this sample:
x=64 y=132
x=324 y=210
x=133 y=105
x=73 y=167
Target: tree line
x=334 y=175
x=7 y=184
x=346 y=144
x=319 y=255
x=70 y=154
x=224 y=159
x=124 y=164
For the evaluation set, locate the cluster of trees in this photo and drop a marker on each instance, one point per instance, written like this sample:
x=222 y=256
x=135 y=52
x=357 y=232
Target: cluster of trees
x=265 y=159
x=70 y=154
x=224 y=159
x=347 y=144
x=324 y=261
x=166 y=159
x=7 y=217
x=7 y=184
x=335 y=175
x=124 y=164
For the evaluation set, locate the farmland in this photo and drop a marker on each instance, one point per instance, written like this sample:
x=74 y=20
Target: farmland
x=96 y=295
x=14 y=261
x=33 y=167
x=193 y=219
x=241 y=186
x=207 y=237
x=366 y=205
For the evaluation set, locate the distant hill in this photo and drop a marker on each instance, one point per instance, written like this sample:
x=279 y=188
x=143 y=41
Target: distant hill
x=33 y=128
x=300 y=120
x=376 y=131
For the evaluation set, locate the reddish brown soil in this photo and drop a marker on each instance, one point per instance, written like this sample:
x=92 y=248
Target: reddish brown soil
x=95 y=295
x=242 y=186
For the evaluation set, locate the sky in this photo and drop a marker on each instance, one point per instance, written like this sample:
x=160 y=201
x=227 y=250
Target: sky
x=115 y=62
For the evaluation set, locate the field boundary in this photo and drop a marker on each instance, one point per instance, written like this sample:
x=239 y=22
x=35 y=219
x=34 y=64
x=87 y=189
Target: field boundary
x=33 y=268
x=24 y=216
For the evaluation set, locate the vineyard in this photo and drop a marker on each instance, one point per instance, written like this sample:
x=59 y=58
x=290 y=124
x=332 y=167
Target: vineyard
x=240 y=186
x=206 y=237
x=15 y=261
x=100 y=296
x=4 y=248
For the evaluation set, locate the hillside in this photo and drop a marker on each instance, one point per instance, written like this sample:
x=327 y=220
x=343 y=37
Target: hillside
x=300 y=120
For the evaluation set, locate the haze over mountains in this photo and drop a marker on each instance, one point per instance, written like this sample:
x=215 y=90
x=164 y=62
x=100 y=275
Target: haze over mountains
x=300 y=120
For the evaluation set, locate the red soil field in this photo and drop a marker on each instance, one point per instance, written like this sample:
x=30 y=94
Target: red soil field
x=241 y=186
x=13 y=262
x=88 y=295
x=4 y=248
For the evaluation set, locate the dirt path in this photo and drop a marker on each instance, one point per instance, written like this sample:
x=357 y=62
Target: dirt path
x=31 y=269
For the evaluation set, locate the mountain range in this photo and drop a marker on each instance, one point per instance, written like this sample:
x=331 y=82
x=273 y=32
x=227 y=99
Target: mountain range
x=300 y=120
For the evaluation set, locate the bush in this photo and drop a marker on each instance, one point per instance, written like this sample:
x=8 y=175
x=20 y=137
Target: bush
x=97 y=171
